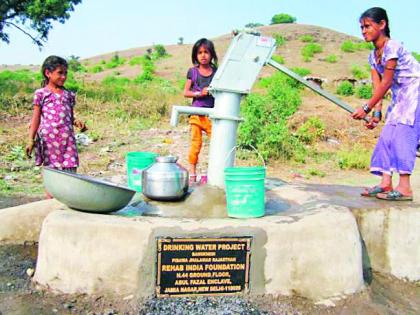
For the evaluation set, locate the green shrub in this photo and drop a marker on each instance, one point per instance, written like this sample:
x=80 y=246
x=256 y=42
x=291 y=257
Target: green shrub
x=4 y=186
x=282 y=18
x=331 y=58
x=315 y=172
x=355 y=158
x=20 y=81
x=137 y=60
x=115 y=81
x=359 y=73
x=280 y=39
x=278 y=58
x=312 y=130
x=416 y=55
x=96 y=69
x=364 y=92
x=307 y=38
x=345 y=88
x=74 y=64
x=253 y=25
x=148 y=68
x=17 y=153
x=265 y=124
x=365 y=46
x=265 y=82
x=160 y=50
x=348 y=46
x=309 y=50
x=301 y=71
x=115 y=62
x=72 y=84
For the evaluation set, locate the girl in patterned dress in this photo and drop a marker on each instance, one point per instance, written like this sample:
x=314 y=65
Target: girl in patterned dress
x=392 y=66
x=51 y=131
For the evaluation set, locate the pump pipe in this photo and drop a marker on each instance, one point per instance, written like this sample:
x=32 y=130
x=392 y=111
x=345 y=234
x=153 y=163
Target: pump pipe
x=313 y=87
x=177 y=109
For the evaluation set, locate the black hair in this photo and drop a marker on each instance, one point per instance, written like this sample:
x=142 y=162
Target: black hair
x=50 y=64
x=377 y=14
x=209 y=45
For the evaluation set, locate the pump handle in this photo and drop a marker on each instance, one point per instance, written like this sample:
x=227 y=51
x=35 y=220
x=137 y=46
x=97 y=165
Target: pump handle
x=314 y=87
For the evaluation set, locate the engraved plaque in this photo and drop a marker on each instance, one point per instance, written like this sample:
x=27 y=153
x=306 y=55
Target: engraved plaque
x=205 y=266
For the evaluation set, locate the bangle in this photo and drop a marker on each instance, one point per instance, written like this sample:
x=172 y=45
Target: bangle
x=197 y=93
x=366 y=108
x=377 y=114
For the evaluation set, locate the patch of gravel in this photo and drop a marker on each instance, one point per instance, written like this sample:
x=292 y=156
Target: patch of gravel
x=200 y=306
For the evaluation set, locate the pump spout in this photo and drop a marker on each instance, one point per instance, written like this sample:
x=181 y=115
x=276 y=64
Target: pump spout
x=189 y=110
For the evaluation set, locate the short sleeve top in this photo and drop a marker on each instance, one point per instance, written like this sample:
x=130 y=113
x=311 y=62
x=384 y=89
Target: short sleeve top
x=406 y=82
x=198 y=83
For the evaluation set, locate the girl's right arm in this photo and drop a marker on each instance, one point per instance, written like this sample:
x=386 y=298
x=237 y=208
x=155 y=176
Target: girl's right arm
x=377 y=116
x=379 y=91
x=33 y=128
x=190 y=94
x=376 y=80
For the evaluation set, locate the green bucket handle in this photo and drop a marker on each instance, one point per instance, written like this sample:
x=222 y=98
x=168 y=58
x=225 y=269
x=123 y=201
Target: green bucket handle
x=239 y=146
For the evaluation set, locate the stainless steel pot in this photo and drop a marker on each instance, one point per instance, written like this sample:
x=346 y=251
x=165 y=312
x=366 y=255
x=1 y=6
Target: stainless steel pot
x=165 y=180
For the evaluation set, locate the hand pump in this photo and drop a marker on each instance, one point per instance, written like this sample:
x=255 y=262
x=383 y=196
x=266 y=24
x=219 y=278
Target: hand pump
x=241 y=65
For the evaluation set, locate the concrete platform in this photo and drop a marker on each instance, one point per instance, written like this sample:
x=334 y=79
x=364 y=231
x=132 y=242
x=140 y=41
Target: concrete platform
x=312 y=251
x=22 y=223
x=390 y=231
x=316 y=244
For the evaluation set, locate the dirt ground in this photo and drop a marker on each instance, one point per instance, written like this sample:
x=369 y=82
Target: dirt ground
x=383 y=295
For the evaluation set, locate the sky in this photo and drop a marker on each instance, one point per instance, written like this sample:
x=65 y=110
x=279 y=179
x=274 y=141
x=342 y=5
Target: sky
x=105 y=26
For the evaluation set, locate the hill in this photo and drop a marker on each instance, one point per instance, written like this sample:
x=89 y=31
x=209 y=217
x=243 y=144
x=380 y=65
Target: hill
x=124 y=114
x=174 y=68
x=180 y=59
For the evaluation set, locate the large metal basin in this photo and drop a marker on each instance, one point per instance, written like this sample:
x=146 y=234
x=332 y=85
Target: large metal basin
x=85 y=193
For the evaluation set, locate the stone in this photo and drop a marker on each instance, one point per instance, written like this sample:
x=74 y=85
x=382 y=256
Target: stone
x=30 y=272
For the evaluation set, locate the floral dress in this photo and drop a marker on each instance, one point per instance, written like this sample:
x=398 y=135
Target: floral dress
x=56 y=144
x=396 y=149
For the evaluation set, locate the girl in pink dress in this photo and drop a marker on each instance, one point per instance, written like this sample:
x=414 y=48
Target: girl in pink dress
x=51 y=132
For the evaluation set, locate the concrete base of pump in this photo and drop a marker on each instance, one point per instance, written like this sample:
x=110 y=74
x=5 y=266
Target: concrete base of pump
x=313 y=250
x=316 y=241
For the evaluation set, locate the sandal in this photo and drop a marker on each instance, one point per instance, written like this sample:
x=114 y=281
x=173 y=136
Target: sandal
x=394 y=195
x=193 y=179
x=373 y=191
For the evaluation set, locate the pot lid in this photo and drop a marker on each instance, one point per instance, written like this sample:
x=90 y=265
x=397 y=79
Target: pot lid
x=167 y=159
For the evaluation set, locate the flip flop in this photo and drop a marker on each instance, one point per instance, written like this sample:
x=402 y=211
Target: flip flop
x=394 y=195
x=193 y=179
x=373 y=191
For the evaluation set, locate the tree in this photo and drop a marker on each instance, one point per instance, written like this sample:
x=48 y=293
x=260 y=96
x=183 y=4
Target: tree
x=33 y=17
x=181 y=40
x=74 y=63
x=160 y=50
x=282 y=18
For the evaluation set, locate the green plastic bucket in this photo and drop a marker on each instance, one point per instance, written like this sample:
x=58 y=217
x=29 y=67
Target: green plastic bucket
x=245 y=193
x=136 y=163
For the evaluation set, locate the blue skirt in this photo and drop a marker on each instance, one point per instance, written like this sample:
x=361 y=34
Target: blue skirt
x=396 y=149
